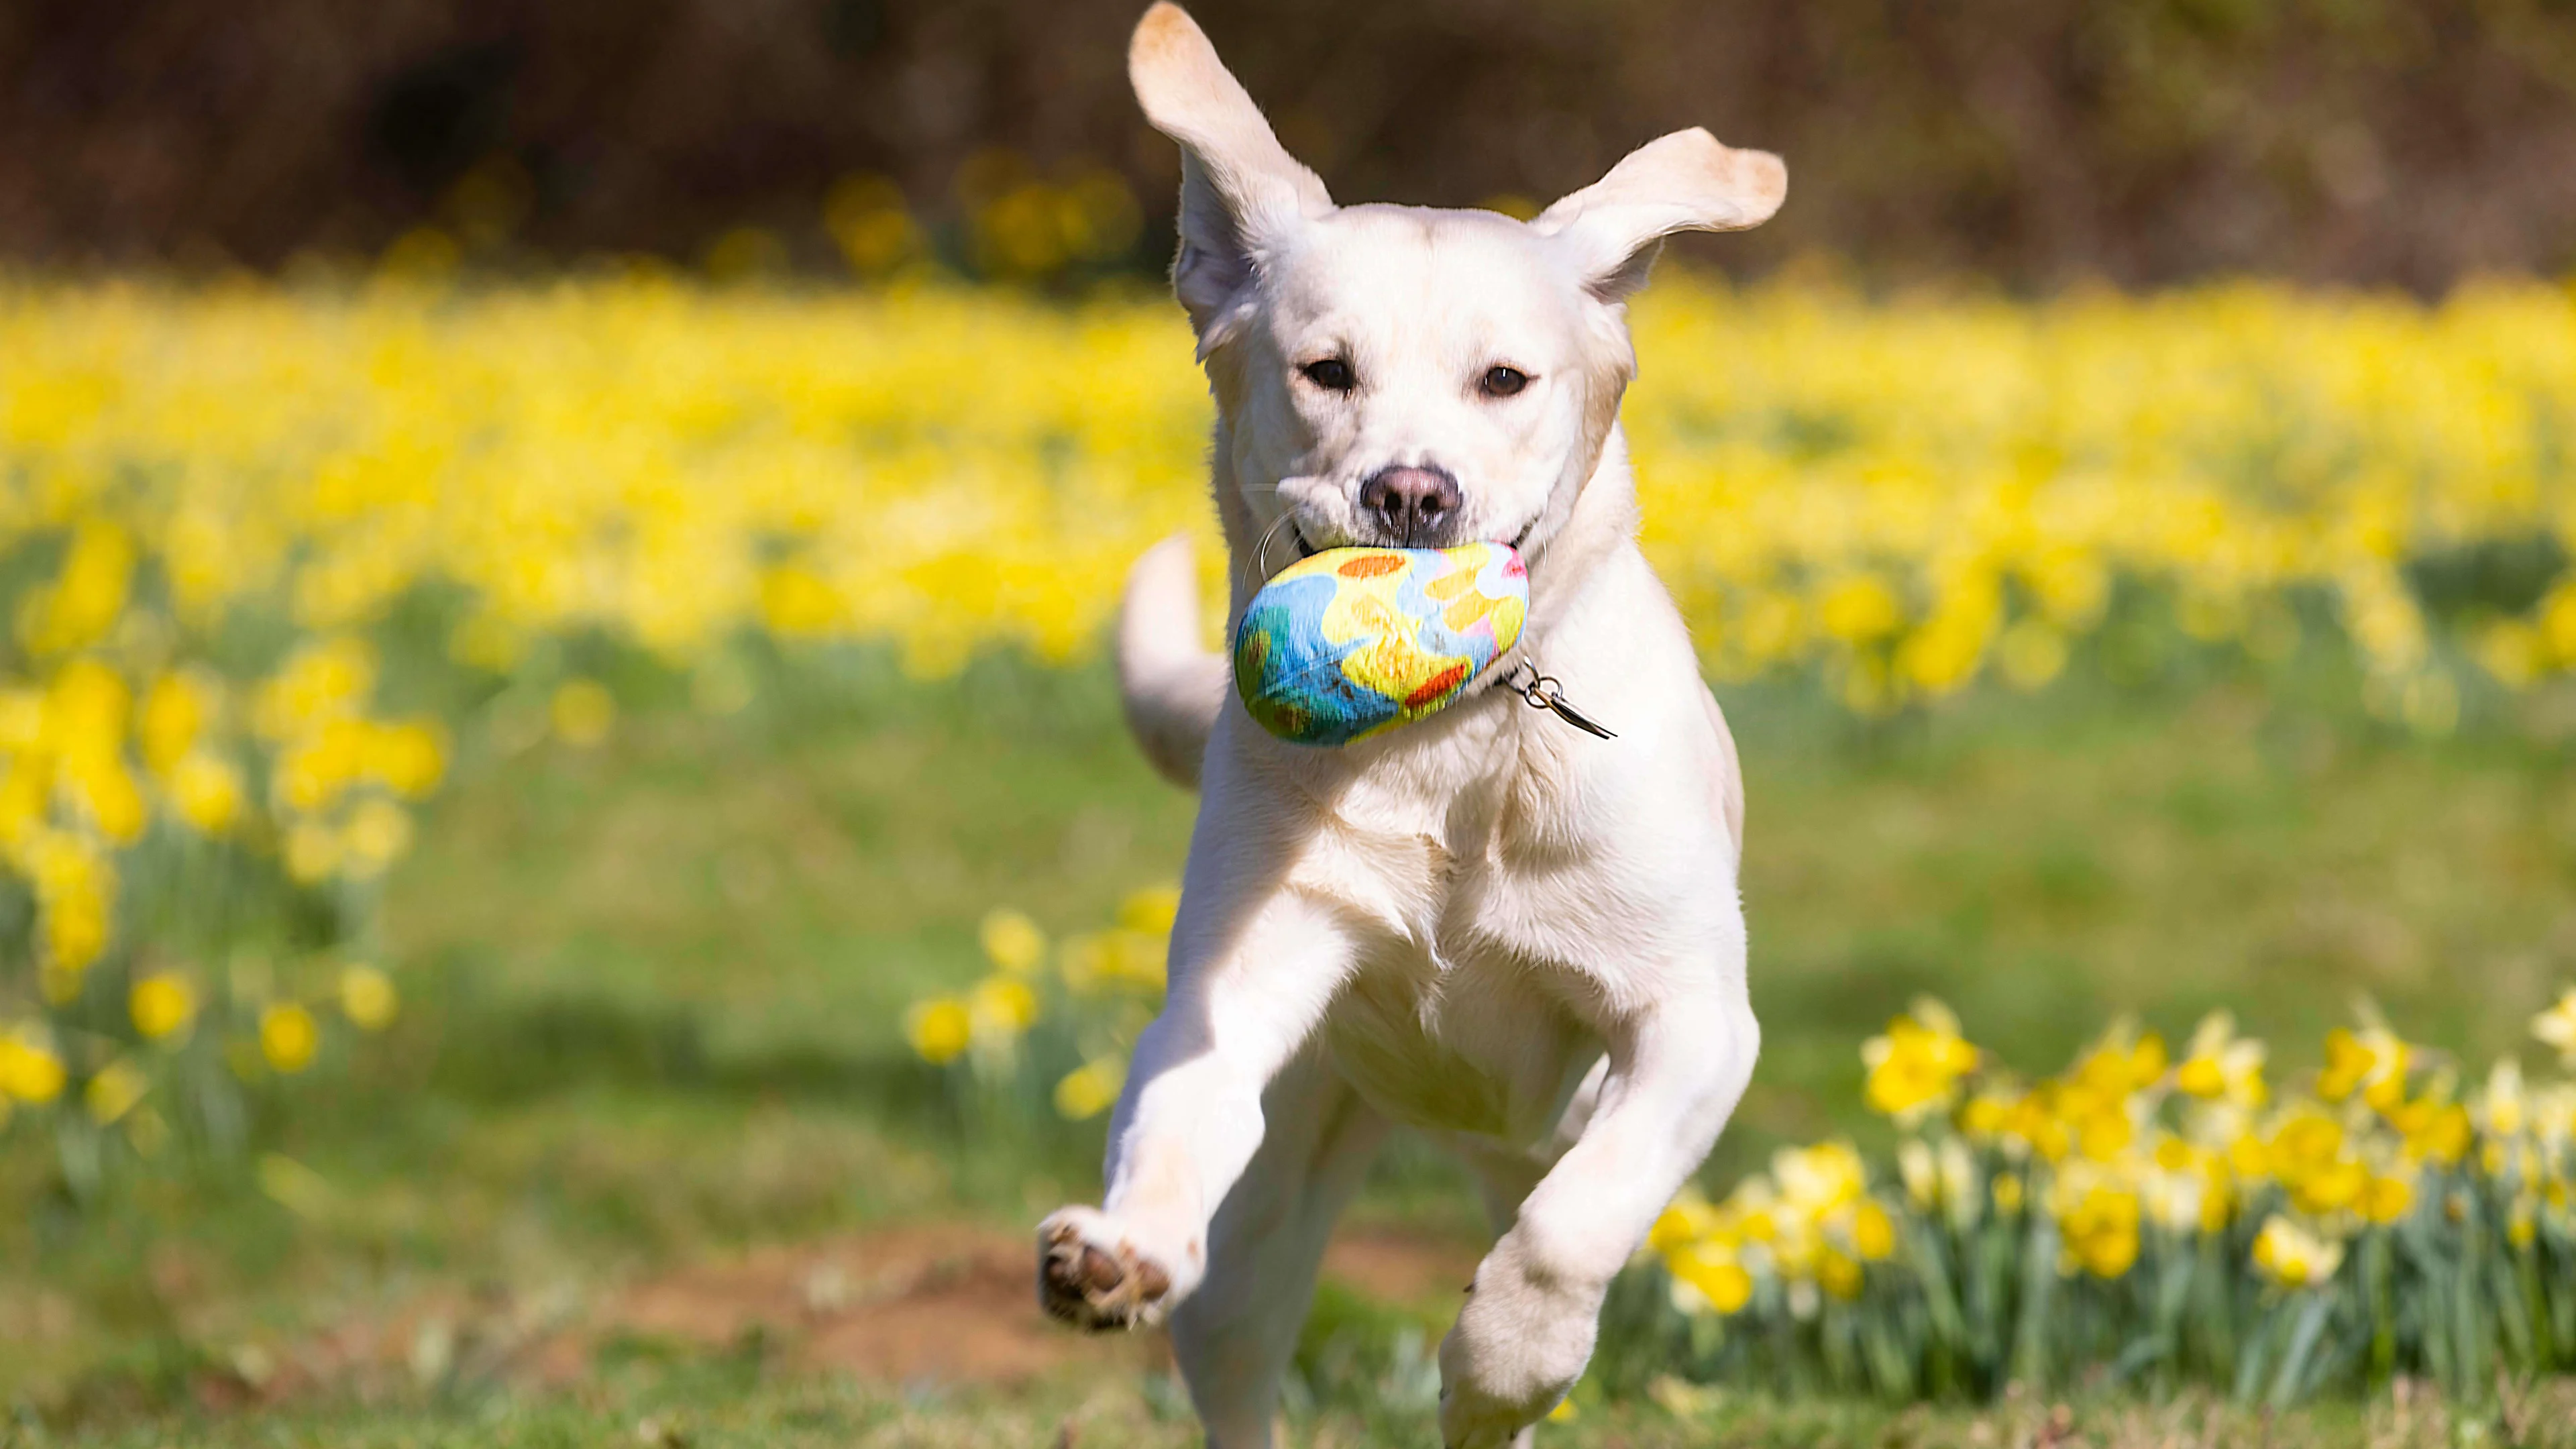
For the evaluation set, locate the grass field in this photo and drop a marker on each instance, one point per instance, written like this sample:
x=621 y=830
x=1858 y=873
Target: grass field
x=733 y=1405
x=655 y=988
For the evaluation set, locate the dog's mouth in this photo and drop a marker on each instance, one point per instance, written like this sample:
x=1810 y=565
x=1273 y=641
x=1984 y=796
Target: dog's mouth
x=1308 y=548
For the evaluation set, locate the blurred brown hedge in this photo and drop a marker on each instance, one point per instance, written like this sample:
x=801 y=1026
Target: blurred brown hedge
x=2038 y=140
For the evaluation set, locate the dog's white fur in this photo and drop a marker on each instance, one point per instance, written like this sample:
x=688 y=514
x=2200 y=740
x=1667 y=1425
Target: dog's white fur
x=1487 y=926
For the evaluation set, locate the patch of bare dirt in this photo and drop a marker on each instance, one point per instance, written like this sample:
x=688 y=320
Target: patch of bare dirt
x=940 y=1302
x=954 y=1304
x=1400 y=1266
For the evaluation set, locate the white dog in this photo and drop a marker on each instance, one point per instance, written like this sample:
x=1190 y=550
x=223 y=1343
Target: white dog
x=1490 y=925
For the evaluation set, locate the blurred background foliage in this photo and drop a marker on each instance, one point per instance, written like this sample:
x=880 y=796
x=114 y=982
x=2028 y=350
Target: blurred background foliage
x=2035 y=141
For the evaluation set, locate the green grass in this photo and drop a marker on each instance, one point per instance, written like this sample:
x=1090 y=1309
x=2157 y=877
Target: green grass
x=654 y=994
x=733 y=1405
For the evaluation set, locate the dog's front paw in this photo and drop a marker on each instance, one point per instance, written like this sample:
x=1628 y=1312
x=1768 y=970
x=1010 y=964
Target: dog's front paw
x=1519 y=1344
x=1095 y=1276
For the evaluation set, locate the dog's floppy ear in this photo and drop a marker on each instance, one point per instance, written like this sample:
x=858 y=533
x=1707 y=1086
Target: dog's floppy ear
x=1682 y=182
x=1241 y=192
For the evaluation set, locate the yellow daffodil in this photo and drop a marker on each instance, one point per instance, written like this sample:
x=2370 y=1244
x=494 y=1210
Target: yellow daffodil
x=324 y=680
x=1859 y=608
x=2032 y=1124
x=368 y=997
x=29 y=1069
x=1920 y=1173
x=2293 y=1257
x=1709 y=1274
x=1816 y=1180
x=2189 y=1189
x=2553 y=1116
x=113 y=1091
x=87 y=595
x=1961 y=1187
x=407 y=758
x=1012 y=942
x=939 y=1029
x=1090 y=1089
x=314 y=851
x=2308 y=1153
x=1686 y=1219
x=1150 y=911
x=2433 y=1130
x=2371 y=1061
x=206 y=791
x=2501 y=1108
x=1839 y=1274
x=1915 y=1068
x=162 y=1005
x=2557 y=1027
x=2219 y=1064
x=178 y=708
x=1754 y=1206
x=1984 y=1116
x=2097 y=1221
x=1114 y=960
x=1873 y=1232
x=288 y=1037
x=1002 y=1007
x=377 y=834
x=2522 y=1221
x=2388 y=1198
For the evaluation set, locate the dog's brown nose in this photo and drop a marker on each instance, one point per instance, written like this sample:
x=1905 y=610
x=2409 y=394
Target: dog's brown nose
x=1412 y=505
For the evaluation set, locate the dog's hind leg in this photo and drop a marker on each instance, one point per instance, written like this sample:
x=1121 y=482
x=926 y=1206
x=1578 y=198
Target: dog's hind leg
x=1235 y=1336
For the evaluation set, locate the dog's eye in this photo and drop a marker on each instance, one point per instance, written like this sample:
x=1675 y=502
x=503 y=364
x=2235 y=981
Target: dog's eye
x=1503 y=381
x=1331 y=374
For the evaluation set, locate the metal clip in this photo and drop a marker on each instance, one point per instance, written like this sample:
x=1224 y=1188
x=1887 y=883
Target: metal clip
x=1545 y=691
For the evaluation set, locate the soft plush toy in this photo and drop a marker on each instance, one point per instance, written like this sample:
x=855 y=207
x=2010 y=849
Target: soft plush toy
x=1354 y=641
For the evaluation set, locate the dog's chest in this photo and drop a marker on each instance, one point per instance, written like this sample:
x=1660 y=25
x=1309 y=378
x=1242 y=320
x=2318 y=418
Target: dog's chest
x=1453 y=1045
x=1439 y=847
x=1456 y=1017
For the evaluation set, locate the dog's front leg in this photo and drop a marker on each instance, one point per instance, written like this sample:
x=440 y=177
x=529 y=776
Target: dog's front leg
x=1248 y=983
x=1676 y=1071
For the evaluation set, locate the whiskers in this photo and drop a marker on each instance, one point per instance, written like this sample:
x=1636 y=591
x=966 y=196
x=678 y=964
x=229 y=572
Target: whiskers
x=1255 y=569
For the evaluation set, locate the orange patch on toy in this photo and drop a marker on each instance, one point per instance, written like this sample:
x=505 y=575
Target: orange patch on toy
x=1438 y=685
x=1371 y=565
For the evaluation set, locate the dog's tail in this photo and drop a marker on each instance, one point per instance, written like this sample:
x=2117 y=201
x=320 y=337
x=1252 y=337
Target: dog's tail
x=1170 y=685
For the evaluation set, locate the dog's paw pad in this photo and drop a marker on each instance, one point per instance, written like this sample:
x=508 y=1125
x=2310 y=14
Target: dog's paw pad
x=1094 y=1280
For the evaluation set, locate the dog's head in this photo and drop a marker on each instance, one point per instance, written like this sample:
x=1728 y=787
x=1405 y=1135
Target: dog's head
x=1402 y=375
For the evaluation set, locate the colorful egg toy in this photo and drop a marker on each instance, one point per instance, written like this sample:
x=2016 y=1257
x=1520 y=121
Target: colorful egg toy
x=1355 y=641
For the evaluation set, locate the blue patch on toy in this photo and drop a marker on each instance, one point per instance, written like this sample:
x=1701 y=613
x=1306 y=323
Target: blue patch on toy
x=1354 y=641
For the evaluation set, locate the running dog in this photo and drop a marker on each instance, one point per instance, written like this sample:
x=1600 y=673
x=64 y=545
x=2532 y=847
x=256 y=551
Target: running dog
x=1502 y=931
